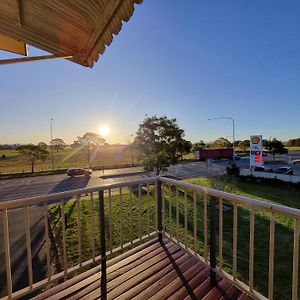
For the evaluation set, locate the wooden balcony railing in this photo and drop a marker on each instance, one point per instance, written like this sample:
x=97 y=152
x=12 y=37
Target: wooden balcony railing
x=125 y=214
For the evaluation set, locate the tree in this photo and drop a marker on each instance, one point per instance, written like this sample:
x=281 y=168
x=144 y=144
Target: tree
x=90 y=141
x=185 y=148
x=42 y=145
x=244 y=145
x=58 y=144
x=159 y=142
x=33 y=153
x=276 y=147
x=198 y=145
x=221 y=143
x=75 y=145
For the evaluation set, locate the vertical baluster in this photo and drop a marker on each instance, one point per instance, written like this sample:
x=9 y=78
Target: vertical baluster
x=79 y=230
x=121 y=219
x=140 y=211
x=220 y=233
x=148 y=210
x=195 y=221
x=92 y=226
x=251 y=254
x=185 y=218
x=110 y=221
x=63 y=223
x=295 y=260
x=271 y=256
x=47 y=241
x=213 y=238
x=158 y=196
x=170 y=208
x=235 y=219
x=163 y=207
x=177 y=216
x=205 y=225
x=28 y=245
x=103 y=277
x=7 y=251
x=130 y=214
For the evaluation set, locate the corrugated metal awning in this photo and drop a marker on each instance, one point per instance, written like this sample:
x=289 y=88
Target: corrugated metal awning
x=78 y=28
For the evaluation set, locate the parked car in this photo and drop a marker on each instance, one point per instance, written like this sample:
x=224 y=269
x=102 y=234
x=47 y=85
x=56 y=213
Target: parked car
x=264 y=169
x=284 y=170
x=79 y=172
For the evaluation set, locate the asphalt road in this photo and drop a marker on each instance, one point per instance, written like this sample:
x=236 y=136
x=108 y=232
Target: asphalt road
x=11 y=189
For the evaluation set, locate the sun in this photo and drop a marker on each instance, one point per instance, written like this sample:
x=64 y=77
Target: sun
x=104 y=130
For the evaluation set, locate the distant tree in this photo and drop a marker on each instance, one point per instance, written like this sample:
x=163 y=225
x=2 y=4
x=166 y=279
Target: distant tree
x=221 y=143
x=184 y=148
x=244 y=145
x=198 y=145
x=90 y=141
x=159 y=141
x=236 y=143
x=42 y=145
x=276 y=147
x=75 y=144
x=33 y=153
x=58 y=144
x=293 y=142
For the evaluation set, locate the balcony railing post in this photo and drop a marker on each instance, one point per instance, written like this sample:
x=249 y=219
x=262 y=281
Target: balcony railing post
x=213 y=239
x=103 y=247
x=159 y=209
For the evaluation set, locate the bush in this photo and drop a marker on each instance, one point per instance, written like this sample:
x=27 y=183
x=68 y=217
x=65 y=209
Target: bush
x=232 y=169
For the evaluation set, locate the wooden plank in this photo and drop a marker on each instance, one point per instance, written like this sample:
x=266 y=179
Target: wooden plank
x=176 y=284
x=91 y=291
x=201 y=290
x=218 y=290
x=145 y=289
x=233 y=293
x=120 y=260
x=134 y=261
x=188 y=288
x=77 y=287
x=141 y=267
x=121 y=286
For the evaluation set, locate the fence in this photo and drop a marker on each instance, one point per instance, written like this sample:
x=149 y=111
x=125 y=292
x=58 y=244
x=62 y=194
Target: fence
x=82 y=228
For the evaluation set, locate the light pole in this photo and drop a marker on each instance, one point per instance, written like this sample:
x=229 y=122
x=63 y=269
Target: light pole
x=233 y=132
x=51 y=137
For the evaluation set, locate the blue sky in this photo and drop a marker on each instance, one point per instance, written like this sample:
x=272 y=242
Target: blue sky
x=191 y=60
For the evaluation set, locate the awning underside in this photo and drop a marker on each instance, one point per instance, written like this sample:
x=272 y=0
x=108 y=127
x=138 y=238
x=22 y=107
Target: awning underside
x=78 y=28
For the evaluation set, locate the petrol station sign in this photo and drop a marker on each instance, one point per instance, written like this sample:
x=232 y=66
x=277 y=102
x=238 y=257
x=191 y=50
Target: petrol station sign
x=256 y=151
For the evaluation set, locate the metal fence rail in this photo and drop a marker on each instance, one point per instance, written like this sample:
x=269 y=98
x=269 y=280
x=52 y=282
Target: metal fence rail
x=215 y=199
x=145 y=208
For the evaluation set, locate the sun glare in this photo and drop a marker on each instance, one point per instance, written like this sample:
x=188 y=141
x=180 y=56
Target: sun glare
x=104 y=130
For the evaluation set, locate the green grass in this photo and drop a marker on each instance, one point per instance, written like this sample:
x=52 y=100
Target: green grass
x=272 y=193
x=293 y=148
x=64 y=159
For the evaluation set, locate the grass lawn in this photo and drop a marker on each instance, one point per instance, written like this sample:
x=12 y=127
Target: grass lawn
x=293 y=148
x=268 y=192
x=14 y=162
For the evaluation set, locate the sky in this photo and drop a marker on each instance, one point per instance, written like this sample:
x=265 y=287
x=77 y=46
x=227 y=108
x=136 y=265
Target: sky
x=191 y=60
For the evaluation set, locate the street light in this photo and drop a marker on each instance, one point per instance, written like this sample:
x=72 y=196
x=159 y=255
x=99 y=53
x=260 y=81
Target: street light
x=233 y=138
x=51 y=137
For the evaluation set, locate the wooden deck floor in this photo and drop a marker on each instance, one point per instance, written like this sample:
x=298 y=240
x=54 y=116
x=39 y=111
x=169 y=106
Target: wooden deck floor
x=152 y=271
